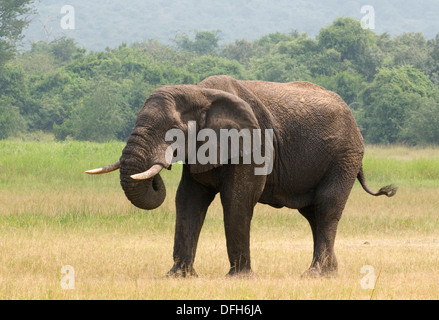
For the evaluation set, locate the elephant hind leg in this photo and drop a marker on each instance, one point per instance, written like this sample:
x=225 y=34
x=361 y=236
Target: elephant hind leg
x=323 y=216
x=324 y=262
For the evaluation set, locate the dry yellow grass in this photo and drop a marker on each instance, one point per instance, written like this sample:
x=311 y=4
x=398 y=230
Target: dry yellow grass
x=127 y=258
x=119 y=252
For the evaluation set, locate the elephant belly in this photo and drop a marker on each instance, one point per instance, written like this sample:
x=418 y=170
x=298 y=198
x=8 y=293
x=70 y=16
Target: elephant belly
x=295 y=186
x=278 y=198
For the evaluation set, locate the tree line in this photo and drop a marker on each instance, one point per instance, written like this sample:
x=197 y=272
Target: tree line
x=390 y=83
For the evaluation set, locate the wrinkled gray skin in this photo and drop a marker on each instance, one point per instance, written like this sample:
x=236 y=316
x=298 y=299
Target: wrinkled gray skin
x=318 y=153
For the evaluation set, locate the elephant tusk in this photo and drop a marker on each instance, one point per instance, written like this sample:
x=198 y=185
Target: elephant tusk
x=151 y=172
x=107 y=169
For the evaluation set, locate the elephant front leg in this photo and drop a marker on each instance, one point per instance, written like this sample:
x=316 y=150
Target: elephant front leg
x=192 y=201
x=239 y=197
x=237 y=226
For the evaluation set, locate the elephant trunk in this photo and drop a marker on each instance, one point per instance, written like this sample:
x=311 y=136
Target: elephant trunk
x=146 y=194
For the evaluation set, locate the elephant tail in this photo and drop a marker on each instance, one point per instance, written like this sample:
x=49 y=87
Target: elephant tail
x=389 y=191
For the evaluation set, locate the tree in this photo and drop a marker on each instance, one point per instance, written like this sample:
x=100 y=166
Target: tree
x=205 y=66
x=53 y=96
x=434 y=53
x=390 y=98
x=354 y=43
x=347 y=84
x=12 y=23
x=422 y=125
x=13 y=97
x=412 y=49
x=98 y=118
x=11 y=120
x=206 y=42
x=241 y=51
x=64 y=49
x=279 y=68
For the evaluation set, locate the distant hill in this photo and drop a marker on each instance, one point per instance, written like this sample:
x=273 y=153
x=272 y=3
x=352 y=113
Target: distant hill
x=102 y=23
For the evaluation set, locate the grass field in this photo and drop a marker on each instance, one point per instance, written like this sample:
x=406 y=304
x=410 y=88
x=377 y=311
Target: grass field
x=52 y=215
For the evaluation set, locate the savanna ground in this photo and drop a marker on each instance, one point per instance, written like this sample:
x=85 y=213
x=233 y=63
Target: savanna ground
x=52 y=215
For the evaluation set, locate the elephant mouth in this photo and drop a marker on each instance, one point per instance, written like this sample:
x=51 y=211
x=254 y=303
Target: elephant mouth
x=148 y=174
x=145 y=190
x=155 y=185
x=147 y=194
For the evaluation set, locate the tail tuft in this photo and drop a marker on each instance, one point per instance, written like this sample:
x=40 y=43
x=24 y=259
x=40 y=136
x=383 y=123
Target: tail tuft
x=389 y=191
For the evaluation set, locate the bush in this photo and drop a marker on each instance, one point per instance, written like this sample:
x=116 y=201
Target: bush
x=390 y=98
x=422 y=125
x=11 y=122
x=98 y=118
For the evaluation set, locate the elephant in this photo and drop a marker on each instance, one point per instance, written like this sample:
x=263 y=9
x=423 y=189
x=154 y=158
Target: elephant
x=317 y=151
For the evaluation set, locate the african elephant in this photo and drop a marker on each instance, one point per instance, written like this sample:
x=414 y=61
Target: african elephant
x=317 y=152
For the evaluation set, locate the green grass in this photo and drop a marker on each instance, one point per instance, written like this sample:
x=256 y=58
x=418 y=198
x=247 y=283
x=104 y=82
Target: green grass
x=52 y=214
x=51 y=165
x=403 y=166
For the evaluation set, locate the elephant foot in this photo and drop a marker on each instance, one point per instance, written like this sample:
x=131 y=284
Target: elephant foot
x=312 y=273
x=245 y=273
x=315 y=273
x=181 y=272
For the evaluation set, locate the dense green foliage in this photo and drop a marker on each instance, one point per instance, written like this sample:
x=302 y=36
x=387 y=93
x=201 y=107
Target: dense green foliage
x=12 y=22
x=391 y=84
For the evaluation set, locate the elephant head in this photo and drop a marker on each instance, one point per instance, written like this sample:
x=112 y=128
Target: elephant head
x=172 y=107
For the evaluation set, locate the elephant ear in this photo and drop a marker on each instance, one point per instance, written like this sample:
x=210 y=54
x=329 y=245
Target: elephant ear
x=224 y=113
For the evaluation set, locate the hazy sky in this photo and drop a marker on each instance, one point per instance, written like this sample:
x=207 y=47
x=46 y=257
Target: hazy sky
x=102 y=23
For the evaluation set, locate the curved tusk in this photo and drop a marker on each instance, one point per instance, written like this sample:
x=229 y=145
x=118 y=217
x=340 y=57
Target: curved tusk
x=110 y=168
x=151 y=172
